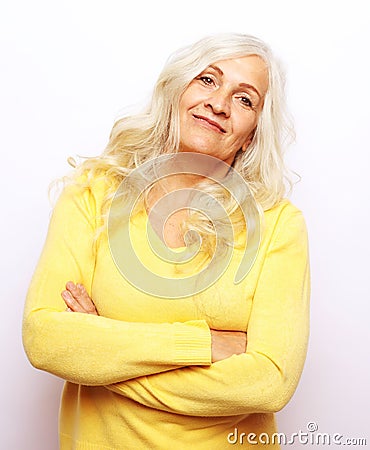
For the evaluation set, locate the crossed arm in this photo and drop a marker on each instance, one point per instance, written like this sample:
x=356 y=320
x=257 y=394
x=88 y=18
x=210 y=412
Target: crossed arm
x=168 y=366
x=258 y=377
x=223 y=343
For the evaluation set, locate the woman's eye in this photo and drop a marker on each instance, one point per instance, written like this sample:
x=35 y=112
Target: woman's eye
x=206 y=80
x=246 y=101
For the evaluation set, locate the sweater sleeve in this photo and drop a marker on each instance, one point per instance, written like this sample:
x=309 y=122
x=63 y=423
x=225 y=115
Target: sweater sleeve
x=94 y=350
x=265 y=377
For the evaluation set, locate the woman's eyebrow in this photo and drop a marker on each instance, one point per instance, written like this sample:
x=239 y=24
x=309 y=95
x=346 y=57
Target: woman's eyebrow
x=244 y=85
x=217 y=69
x=250 y=86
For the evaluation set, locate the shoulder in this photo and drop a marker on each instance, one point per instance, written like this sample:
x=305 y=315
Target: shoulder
x=284 y=209
x=91 y=188
x=284 y=222
x=282 y=212
x=83 y=194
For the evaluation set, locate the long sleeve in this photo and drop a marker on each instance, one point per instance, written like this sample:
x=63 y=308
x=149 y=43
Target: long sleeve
x=265 y=377
x=86 y=349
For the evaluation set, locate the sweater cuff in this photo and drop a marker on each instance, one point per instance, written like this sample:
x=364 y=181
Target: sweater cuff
x=193 y=343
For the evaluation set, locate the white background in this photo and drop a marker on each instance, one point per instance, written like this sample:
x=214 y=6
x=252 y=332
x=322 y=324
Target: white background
x=68 y=68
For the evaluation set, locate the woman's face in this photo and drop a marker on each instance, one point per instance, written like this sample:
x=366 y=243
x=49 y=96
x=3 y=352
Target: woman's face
x=219 y=109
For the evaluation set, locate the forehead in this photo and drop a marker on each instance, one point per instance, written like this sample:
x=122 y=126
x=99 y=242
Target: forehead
x=250 y=69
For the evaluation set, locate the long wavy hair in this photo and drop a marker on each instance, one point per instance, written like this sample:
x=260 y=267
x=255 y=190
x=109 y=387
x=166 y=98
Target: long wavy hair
x=137 y=138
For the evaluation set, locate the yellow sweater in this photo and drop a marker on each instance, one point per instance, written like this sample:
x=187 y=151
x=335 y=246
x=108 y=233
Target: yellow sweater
x=139 y=376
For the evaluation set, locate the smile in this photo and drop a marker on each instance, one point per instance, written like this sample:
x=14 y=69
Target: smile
x=210 y=123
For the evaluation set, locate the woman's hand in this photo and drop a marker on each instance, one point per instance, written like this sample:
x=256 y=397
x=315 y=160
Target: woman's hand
x=77 y=299
x=224 y=343
x=227 y=343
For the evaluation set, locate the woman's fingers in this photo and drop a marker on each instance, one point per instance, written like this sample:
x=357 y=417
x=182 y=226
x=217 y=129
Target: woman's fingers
x=227 y=343
x=72 y=304
x=77 y=299
x=85 y=299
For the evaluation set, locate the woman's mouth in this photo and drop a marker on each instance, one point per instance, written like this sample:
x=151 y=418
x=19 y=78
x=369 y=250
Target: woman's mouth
x=212 y=124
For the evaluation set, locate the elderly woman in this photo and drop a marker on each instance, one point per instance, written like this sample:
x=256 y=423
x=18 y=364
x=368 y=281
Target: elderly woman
x=149 y=367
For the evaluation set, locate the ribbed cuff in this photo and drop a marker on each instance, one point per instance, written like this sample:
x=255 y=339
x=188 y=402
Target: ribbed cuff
x=193 y=343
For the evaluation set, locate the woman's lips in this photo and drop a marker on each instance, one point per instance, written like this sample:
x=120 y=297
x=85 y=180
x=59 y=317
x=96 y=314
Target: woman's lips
x=215 y=125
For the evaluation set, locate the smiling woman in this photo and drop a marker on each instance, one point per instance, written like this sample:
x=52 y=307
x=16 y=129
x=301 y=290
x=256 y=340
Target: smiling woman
x=226 y=98
x=149 y=370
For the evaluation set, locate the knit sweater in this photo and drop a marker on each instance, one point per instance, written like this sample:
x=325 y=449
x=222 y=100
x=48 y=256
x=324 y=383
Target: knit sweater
x=139 y=375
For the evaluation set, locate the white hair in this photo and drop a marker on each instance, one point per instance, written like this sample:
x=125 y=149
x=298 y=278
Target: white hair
x=155 y=131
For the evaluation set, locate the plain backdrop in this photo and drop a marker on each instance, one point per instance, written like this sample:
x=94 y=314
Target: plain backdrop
x=68 y=68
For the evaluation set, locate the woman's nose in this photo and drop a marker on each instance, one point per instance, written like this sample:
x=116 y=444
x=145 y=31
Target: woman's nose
x=219 y=102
